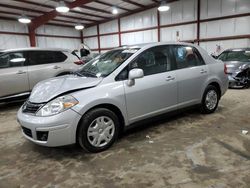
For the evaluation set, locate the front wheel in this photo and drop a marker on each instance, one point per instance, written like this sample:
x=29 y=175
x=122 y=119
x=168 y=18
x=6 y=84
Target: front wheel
x=98 y=130
x=210 y=100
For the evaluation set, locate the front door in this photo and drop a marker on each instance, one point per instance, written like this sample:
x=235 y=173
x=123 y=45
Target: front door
x=13 y=74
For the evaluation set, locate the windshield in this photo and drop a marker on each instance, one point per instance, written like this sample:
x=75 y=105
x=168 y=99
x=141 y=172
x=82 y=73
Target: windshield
x=106 y=63
x=237 y=55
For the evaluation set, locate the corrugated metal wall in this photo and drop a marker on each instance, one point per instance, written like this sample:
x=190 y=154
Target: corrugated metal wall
x=13 y=41
x=19 y=37
x=183 y=11
x=142 y=28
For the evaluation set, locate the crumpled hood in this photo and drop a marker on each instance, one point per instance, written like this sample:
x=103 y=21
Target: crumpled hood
x=233 y=66
x=48 y=89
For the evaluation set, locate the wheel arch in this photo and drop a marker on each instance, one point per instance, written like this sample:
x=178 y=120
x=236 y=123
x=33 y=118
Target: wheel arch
x=217 y=85
x=110 y=107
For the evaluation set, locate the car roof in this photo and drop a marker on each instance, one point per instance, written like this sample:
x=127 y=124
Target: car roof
x=152 y=44
x=36 y=49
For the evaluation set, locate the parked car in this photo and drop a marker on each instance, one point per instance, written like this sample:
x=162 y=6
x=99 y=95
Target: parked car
x=238 y=66
x=21 y=69
x=121 y=87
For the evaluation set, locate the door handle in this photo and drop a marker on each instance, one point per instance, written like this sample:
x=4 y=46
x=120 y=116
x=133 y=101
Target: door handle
x=56 y=67
x=169 y=78
x=203 y=71
x=21 y=72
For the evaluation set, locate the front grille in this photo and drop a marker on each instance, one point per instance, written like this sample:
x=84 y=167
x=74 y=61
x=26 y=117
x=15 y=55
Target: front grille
x=27 y=132
x=31 y=108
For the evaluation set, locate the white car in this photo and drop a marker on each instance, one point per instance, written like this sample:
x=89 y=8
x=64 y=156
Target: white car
x=22 y=69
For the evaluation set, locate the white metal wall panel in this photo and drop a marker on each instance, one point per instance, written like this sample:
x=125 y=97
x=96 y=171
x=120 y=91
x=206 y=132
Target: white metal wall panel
x=180 y=11
x=217 y=8
x=210 y=47
x=57 y=30
x=52 y=42
x=242 y=25
x=109 y=41
x=139 y=37
x=227 y=27
x=13 y=26
x=242 y=6
x=109 y=27
x=92 y=42
x=140 y=20
x=186 y=32
x=13 y=41
x=90 y=31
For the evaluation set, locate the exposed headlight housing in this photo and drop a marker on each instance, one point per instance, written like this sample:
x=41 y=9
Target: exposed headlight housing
x=57 y=106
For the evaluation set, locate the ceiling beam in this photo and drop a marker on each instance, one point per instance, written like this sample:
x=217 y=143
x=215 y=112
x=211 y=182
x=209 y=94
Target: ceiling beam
x=42 y=12
x=135 y=3
x=96 y=9
x=21 y=8
x=32 y=16
x=13 y=19
x=111 y=5
x=43 y=19
x=85 y=13
x=147 y=7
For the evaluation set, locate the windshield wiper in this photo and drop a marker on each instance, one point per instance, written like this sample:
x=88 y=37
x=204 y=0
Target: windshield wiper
x=90 y=74
x=77 y=73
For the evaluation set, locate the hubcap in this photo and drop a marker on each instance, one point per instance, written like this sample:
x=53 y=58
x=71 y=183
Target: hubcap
x=211 y=99
x=101 y=131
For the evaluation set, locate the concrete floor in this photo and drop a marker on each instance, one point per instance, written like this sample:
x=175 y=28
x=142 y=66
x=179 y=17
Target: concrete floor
x=188 y=150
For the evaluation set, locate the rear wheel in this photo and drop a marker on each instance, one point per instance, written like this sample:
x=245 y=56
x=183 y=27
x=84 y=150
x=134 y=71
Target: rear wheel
x=98 y=130
x=210 y=100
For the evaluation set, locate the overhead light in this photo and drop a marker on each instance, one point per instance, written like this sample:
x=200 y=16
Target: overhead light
x=79 y=27
x=24 y=19
x=114 y=10
x=163 y=6
x=62 y=7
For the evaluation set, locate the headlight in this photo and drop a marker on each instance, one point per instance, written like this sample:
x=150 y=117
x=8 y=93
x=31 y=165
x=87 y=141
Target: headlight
x=57 y=105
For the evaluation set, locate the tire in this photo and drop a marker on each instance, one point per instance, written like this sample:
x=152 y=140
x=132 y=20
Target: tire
x=210 y=100
x=98 y=130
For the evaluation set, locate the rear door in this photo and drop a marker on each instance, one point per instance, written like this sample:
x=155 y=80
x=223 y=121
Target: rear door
x=43 y=65
x=13 y=74
x=156 y=92
x=192 y=73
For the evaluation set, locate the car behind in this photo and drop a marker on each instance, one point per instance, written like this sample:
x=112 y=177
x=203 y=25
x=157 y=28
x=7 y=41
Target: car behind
x=22 y=69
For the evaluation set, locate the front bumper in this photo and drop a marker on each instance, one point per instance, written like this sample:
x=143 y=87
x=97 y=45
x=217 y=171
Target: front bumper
x=61 y=128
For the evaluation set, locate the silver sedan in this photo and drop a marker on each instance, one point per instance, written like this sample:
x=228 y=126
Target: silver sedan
x=121 y=87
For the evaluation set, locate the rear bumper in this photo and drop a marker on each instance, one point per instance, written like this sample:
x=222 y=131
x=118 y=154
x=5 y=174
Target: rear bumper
x=60 y=128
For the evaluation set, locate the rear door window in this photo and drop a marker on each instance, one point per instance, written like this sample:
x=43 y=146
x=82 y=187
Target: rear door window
x=45 y=57
x=13 y=59
x=187 y=56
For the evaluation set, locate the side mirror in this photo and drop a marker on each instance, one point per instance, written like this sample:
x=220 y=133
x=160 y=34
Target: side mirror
x=214 y=56
x=134 y=74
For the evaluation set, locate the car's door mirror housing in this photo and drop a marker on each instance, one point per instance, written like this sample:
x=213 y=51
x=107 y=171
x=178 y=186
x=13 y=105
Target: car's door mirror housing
x=134 y=74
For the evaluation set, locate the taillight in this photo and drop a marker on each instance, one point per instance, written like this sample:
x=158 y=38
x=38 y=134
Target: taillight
x=80 y=62
x=225 y=68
